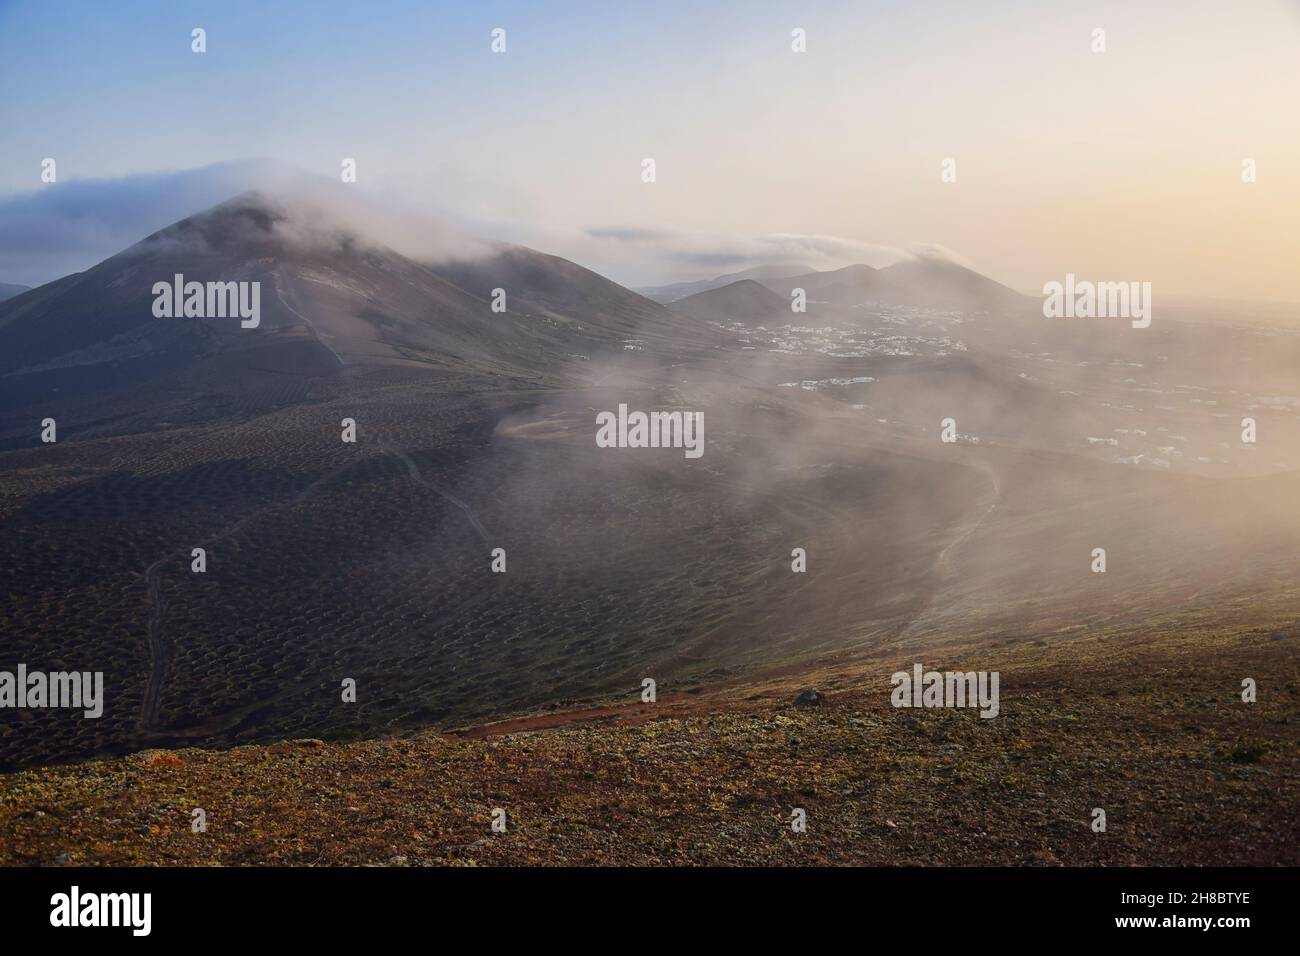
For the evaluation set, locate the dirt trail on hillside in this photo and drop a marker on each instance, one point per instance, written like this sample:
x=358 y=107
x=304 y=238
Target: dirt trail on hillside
x=414 y=471
x=158 y=649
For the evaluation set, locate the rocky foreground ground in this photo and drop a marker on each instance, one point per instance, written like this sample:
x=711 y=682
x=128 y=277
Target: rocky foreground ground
x=1151 y=729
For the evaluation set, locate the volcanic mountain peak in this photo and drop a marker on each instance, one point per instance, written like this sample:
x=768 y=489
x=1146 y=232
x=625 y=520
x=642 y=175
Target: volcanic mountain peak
x=249 y=217
x=856 y=270
x=256 y=224
x=744 y=299
x=918 y=281
x=680 y=290
x=929 y=279
x=847 y=286
x=330 y=293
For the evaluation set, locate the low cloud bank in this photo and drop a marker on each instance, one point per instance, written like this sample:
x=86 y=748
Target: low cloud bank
x=67 y=227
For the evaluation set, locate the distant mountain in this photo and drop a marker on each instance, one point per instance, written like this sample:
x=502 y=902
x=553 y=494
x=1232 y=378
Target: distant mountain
x=849 y=286
x=9 y=290
x=942 y=284
x=919 y=282
x=839 y=295
x=328 y=298
x=680 y=290
x=745 y=300
x=557 y=290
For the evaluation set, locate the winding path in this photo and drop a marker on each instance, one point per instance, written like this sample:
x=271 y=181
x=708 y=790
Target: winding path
x=420 y=479
x=306 y=321
x=158 y=648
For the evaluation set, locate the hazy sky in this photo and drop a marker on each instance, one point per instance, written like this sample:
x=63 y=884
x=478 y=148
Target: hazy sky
x=1123 y=165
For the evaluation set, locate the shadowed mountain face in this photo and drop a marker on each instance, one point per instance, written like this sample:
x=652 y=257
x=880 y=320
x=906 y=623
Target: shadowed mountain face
x=940 y=284
x=372 y=560
x=745 y=299
x=920 y=282
x=8 y=290
x=598 y=314
x=841 y=287
x=859 y=295
x=328 y=298
x=680 y=290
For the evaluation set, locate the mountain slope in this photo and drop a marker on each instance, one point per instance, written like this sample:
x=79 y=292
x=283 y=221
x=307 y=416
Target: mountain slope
x=941 y=284
x=328 y=298
x=553 y=289
x=919 y=282
x=846 y=287
x=1021 y=788
x=680 y=290
x=745 y=300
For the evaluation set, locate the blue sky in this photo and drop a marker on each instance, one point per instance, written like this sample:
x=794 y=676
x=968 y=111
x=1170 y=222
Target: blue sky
x=115 y=88
x=1123 y=165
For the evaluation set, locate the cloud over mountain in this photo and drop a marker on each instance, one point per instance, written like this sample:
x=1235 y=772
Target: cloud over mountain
x=68 y=227
x=676 y=255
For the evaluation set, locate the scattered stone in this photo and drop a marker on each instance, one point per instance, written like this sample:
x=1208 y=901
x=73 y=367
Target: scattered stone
x=302 y=743
x=808 y=697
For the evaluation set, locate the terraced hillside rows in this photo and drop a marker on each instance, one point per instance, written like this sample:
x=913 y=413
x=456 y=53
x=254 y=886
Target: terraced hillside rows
x=372 y=561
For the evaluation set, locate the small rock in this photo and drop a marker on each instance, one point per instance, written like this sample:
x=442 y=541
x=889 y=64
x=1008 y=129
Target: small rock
x=808 y=697
x=301 y=743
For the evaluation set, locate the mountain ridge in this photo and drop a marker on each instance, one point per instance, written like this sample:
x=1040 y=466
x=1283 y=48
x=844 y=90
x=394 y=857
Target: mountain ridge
x=672 y=292
x=330 y=293
x=9 y=289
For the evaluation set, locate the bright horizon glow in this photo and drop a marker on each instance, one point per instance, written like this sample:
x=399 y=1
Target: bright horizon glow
x=1118 y=166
